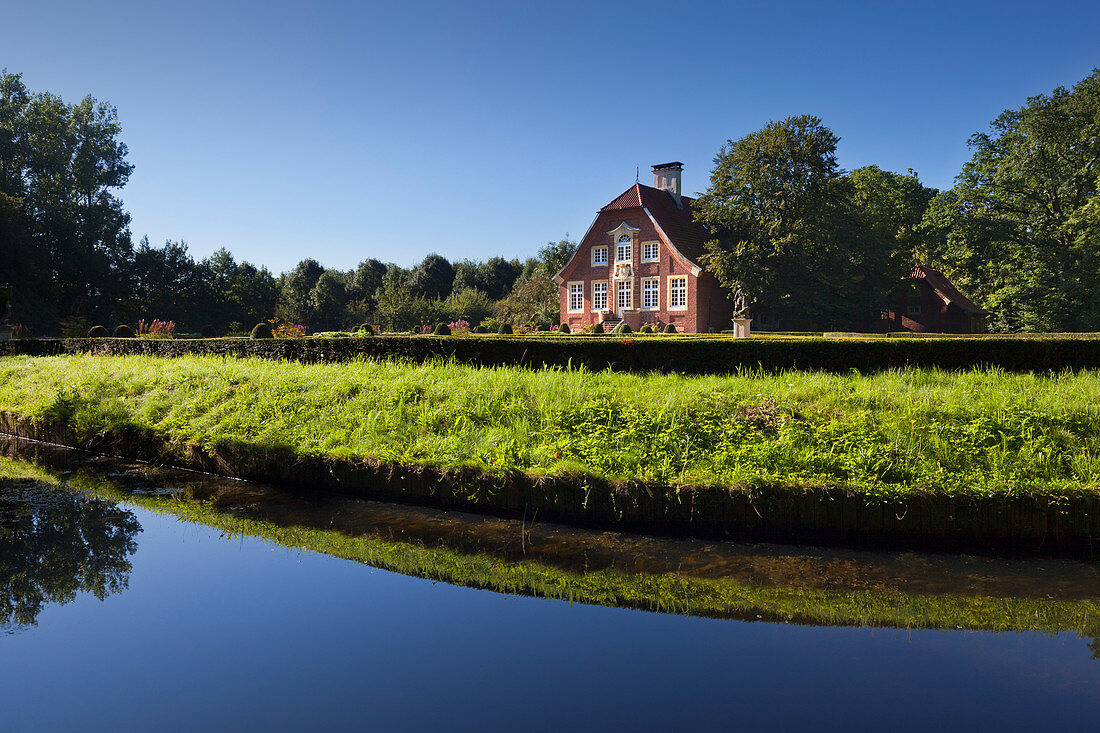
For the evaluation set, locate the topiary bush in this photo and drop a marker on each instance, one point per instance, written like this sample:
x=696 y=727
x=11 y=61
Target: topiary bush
x=441 y=329
x=208 y=331
x=505 y=328
x=598 y=328
x=670 y=328
x=623 y=328
x=123 y=332
x=646 y=328
x=366 y=330
x=262 y=331
x=481 y=329
x=98 y=332
x=564 y=328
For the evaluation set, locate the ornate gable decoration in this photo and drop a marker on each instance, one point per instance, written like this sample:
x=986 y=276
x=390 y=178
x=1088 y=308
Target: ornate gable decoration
x=623 y=271
x=623 y=228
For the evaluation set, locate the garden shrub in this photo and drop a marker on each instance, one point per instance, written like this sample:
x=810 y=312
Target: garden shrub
x=262 y=331
x=505 y=328
x=123 y=332
x=98 y=332
x=441 y=329
x=669 y=328
x=366 y=329
x=646 y=328
x=623 y=328
x=598 y=328
x=208 y=331
x=563 y=328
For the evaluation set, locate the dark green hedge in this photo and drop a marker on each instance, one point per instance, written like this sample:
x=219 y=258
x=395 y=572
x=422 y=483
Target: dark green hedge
x=677 y=354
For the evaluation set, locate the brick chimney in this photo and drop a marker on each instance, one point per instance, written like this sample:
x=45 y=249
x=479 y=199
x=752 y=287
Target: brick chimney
x=666 y=177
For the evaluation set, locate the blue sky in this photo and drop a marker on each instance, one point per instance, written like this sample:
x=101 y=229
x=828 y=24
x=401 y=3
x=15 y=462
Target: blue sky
x=343 y=131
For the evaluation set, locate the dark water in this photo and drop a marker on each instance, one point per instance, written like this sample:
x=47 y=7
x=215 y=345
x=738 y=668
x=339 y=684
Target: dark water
x=115 y=617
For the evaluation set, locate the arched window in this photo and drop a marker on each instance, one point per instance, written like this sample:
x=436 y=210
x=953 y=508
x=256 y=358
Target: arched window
x=622 y=251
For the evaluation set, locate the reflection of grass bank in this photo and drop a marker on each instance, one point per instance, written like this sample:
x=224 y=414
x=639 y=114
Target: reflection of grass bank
x=668 y=592
x=896 y=440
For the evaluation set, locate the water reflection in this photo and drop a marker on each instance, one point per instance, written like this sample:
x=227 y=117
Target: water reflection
x=804 y=585
x=56 y=544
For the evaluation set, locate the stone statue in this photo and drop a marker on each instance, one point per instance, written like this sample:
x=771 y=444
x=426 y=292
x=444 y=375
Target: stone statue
x=740 y=304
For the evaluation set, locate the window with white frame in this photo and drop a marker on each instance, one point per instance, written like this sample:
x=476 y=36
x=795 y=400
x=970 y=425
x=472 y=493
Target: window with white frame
x=576 y=297
x=622 y=250
x=624 y=292
x=599 y=296
x=651 y=251
x=599 y=255
x=651 y=293
x=677 y=292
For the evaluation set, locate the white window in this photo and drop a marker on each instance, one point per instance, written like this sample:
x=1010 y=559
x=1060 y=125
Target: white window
x=622 y=251
x=677 y=292
x=651 y=251
x=599 y=255
x=624 y=291
x=576 y=297
x=651 y=293
x=599 y=296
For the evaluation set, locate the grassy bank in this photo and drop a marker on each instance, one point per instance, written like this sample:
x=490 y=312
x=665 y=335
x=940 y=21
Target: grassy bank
x=669 y=592
x=890 y=434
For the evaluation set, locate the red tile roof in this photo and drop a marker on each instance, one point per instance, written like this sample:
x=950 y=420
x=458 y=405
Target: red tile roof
x=675 y=221
x=946 y=290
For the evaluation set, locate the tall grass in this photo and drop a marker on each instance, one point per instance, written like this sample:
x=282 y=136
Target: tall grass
x=981 y=431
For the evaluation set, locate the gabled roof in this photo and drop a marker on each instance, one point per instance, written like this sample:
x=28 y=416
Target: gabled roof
x=686 y=235
x=946 y=290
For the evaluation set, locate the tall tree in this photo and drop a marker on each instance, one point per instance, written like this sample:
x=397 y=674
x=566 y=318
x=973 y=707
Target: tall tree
x=433 y=278
x=787 y=229
x=295 y=301
x=1019 y=227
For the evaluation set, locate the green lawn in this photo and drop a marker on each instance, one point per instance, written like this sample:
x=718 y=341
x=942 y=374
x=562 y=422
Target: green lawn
x=977 y=432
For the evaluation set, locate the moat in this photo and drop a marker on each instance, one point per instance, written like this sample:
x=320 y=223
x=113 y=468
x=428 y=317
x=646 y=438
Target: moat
x=134 y=597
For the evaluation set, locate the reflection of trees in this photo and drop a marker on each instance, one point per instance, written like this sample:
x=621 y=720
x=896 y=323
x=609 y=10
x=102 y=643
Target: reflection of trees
x=54 y=544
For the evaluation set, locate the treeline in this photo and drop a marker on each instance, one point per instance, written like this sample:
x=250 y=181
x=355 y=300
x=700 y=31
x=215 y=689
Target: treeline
x=65 y=245
x=801 y=238
x=1019 y=232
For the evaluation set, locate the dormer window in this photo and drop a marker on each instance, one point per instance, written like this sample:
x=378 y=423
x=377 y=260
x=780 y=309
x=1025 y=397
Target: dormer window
x=623 y=249
x=599 y=255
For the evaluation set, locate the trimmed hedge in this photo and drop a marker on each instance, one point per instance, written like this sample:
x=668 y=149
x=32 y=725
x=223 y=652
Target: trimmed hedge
x=685 y=355
x=262 y=331
x=441 y=329
x=98 y=332
x=505 y=329
x=123 y=332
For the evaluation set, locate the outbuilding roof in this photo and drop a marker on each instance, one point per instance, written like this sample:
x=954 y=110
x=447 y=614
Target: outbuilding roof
x=947 y=291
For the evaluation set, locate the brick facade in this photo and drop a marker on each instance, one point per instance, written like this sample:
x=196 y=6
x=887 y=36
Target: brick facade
x=707 y=307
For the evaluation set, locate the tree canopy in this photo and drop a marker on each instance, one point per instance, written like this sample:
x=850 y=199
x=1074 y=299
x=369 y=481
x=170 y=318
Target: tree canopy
x=1020 y=228
x=795 y=233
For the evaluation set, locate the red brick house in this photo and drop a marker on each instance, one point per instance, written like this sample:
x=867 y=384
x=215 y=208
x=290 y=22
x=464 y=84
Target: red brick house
x=928 y=302
x=639 y=262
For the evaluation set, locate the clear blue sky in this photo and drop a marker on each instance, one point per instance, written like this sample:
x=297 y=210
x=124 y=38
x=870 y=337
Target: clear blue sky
x=343 y=131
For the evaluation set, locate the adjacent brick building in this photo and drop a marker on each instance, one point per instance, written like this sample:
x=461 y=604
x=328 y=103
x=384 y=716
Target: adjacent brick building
x=928 y=302
x=639 y=262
